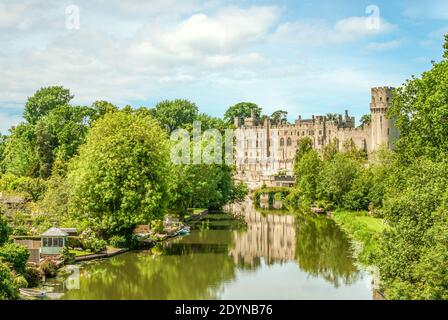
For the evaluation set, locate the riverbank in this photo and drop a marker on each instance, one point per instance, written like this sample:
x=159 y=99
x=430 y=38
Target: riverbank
x=364 y=230
x=196 y=215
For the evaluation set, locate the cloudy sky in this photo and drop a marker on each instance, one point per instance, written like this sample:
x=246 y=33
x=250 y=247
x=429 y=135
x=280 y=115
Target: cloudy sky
x=307 y=57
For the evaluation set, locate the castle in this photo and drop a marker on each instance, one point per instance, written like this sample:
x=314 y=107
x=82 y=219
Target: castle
x=265 y=151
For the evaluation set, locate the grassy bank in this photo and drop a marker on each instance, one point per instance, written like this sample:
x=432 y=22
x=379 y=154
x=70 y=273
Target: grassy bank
x=362 y=228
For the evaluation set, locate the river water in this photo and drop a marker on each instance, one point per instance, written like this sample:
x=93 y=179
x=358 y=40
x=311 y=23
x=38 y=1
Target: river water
x=261 y=255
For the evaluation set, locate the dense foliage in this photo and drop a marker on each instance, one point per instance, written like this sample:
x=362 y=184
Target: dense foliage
x=407 y=188
x=121 y=177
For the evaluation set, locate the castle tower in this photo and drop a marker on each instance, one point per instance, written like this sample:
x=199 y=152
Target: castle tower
x=383 y=130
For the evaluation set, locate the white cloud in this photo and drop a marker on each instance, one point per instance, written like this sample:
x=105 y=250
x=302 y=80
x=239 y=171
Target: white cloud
x=139 y=51
x=383 y=46
x=312 y=33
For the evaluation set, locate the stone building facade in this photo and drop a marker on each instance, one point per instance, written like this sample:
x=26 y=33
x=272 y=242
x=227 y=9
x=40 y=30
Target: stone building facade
x=265 y=151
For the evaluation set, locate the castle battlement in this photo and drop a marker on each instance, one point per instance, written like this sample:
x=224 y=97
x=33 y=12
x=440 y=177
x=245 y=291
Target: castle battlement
x=264 y=150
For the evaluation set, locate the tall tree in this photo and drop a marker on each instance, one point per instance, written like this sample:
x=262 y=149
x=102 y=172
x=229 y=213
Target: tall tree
x=420 y=108
x=175 y=114
x=366 y=120
x=121 y=176
x=45 y=100
x=241 y=110
x=278 y=116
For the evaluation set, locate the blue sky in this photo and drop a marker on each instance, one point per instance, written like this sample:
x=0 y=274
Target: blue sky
x=306 y=57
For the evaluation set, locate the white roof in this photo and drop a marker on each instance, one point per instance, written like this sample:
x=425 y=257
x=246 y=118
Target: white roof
x=54 y=232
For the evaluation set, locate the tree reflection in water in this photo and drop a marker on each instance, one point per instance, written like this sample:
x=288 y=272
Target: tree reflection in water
x=317 y=244
x=202 y=264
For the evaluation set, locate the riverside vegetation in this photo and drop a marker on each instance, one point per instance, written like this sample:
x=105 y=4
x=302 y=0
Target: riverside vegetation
x=101 y=169
x=104 y=170
x=406 y=190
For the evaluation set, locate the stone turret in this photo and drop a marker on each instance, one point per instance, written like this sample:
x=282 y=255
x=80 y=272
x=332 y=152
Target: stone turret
x=383 y=129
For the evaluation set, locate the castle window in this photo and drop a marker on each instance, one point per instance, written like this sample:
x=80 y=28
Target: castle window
x=329 y=132
x=282 y=142
x=303 y=133
x=388 y=131
x=320 y=132
x=387 y=99
x=381 y=98
x=288 y=142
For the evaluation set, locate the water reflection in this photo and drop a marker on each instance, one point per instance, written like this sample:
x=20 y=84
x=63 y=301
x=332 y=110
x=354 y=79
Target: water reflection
x=302 y=257
x=316 y=243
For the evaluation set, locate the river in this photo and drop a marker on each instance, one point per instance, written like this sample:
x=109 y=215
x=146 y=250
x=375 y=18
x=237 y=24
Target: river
x=257 y=256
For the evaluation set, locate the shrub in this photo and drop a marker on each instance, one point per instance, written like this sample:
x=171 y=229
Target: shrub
x=94 y=244
x=20 y=282
x=32 y=188
x=157 y=226
x=21 y=231
x=49 y=268
x=118 y=242
x=68 y=256
x=8 y=290
x=5 y=230
x=33 y=276
x=74 y=242
x=15 y=254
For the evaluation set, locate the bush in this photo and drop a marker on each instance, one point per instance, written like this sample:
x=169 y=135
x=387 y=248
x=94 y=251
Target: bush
x=49 y=268
x=5 y=230
x=74 y=242
x=8 y=290
x=94 y=244
x=21 y=231
x=33 y=276
x=15 y=254
x=32 y=188
x=20 y=282
x=68 y=256
x=118 y=242
x=157 y=226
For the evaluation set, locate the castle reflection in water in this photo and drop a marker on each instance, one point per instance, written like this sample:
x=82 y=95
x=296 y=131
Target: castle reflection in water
x=271 y=237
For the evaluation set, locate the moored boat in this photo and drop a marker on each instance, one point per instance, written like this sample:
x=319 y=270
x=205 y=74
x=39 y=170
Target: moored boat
x=32 y=293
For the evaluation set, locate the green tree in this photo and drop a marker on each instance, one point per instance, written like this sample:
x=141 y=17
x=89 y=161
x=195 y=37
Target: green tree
x=19 y=157
x=8 y=290
x=16 y=255
x=330 y=150
x=101 y=108
x=241 y=110
x=307 y=173
x=121 y=176
x=366 y=120
x=420 y=108
x=278 y=116
x=5 y=230
x=336 y=178
x=175 y=114
x=59 y=134
x=45 y=100
x=305 y=145
x=412 y=258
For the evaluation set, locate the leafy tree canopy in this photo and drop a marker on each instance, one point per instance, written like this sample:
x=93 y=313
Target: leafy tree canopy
x=241 y=110
x=45 y=100
x=121 y=176
x=278 y=116
x=175 y=114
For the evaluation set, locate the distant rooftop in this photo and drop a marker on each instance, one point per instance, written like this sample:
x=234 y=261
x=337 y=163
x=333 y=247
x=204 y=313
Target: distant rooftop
x=55 y=232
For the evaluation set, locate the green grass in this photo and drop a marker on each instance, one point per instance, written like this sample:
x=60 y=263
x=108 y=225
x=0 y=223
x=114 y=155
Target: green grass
x=374 y=224
x=80 y=253
x=198 y=210
x=364 y=229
